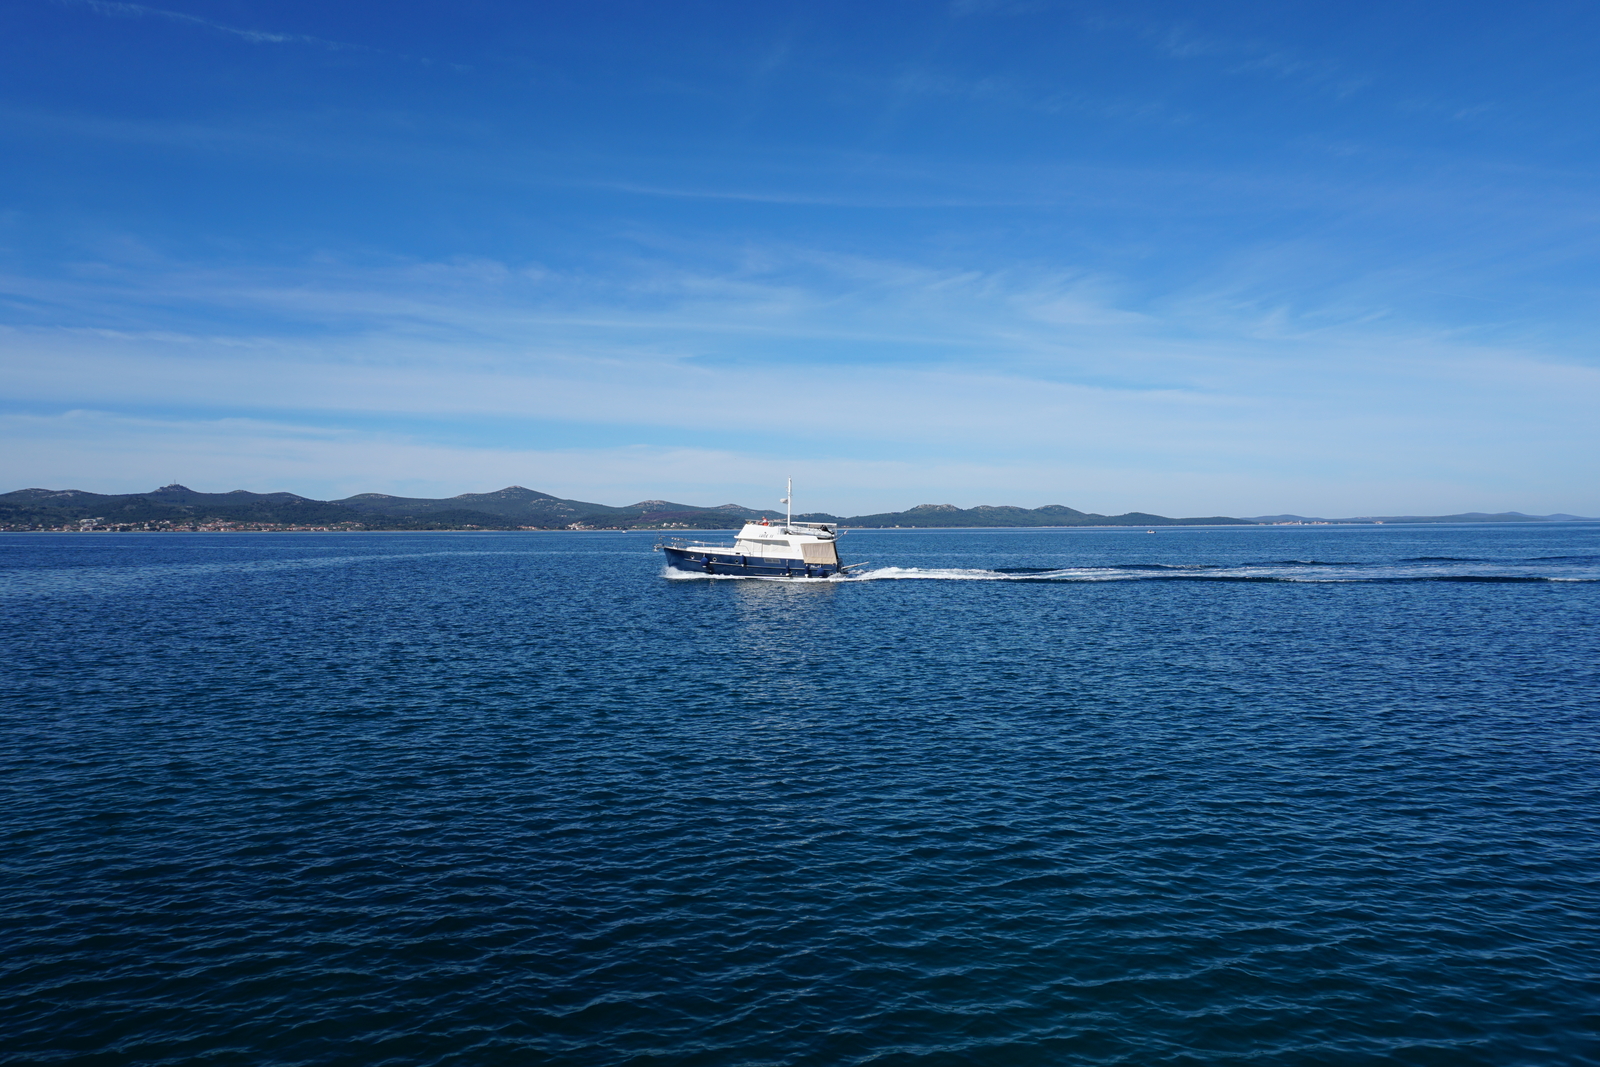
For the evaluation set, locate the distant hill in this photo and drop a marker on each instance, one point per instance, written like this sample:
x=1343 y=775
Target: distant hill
x=1469 y=516
x=1049 y=515
x=511 y=508
x=171 y=504
x=177 y=507
x=516 y=506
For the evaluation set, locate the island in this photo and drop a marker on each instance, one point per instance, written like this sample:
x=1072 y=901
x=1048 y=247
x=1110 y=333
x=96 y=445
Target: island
x=176 y=508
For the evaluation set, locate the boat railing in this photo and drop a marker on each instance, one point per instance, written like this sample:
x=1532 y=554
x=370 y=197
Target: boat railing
x=683 y=543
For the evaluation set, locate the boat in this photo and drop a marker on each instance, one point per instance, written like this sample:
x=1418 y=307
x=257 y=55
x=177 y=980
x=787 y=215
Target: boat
x=763 y=550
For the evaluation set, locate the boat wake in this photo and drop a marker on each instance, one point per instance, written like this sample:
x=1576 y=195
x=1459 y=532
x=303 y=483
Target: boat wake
x=1535 y=569
x=1294 y=571
x=672 y=574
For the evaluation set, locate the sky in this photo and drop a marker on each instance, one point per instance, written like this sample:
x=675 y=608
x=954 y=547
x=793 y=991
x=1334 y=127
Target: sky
x=1194 y=259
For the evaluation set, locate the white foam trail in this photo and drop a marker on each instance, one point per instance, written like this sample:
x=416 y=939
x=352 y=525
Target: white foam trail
x=672 y=574
x=975 y=575
x=1308 y=575
x=945 y=573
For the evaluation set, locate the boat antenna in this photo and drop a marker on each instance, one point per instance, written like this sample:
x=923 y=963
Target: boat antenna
x=788 y=508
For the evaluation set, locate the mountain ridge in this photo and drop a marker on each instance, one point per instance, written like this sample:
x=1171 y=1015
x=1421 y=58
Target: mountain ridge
x=1466 y=516
x=177 y=506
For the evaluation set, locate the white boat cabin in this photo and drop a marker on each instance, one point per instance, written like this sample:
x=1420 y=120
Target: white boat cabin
x=808 y=542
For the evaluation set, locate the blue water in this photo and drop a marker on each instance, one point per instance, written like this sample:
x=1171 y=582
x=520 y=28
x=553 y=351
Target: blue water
x=1254 y=796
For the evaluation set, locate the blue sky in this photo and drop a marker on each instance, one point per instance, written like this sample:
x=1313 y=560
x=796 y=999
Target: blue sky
x=1230 y=258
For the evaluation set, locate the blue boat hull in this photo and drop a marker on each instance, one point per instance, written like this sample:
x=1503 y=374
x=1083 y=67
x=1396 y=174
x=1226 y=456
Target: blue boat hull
x=712 y=561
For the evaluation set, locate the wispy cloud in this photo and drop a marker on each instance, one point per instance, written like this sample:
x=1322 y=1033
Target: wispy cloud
x=1004 y=370
x=126 y=10
x=107 y=452
x=1240 y=55
x=122 y=9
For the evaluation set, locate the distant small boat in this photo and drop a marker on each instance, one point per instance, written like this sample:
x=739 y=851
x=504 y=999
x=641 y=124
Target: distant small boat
x=762 y=550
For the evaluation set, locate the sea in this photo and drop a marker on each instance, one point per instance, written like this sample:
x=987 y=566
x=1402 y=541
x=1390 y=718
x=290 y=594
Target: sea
x=1252 y=795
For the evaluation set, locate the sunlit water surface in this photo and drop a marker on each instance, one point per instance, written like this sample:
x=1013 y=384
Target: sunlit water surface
x=1259 y=796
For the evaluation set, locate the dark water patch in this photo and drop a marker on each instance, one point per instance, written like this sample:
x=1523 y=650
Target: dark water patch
x=1511 y=578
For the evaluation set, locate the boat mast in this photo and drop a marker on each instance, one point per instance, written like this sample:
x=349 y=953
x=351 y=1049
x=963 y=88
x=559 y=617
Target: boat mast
x=788 y=507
